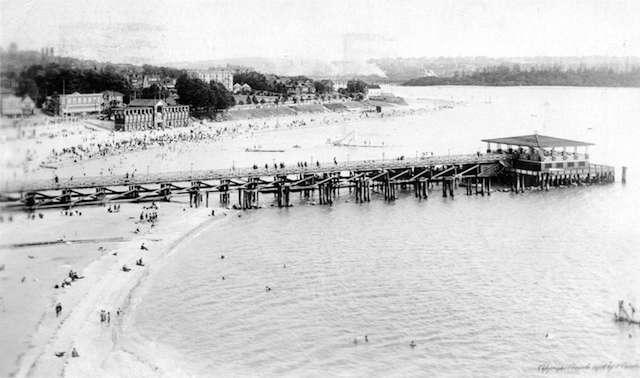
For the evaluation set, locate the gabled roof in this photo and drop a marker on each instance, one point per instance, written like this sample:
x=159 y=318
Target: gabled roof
x=539 y=141
x=145 y=102
x=112 y=93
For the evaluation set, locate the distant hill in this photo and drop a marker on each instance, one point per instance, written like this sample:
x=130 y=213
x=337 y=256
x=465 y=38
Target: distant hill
x=404 y=69
x=515 y=76
x=311 y=67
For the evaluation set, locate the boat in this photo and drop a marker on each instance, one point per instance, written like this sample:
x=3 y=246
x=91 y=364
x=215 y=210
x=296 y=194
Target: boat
x=261 y=150
x=349 y=141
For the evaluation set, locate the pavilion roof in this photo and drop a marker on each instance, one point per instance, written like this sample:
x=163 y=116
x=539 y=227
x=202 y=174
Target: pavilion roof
x=539 y=141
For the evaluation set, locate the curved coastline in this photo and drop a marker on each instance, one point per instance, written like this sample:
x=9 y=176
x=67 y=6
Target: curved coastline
x=101 y=347
x=129 y=344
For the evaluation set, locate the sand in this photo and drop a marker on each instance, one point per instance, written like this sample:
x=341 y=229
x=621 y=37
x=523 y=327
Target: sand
x=28 y=323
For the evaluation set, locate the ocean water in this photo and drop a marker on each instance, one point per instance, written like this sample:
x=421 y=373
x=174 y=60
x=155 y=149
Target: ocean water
x=486 y=286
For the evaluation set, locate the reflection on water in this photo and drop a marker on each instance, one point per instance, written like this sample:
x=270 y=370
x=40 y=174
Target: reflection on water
x=484 y=285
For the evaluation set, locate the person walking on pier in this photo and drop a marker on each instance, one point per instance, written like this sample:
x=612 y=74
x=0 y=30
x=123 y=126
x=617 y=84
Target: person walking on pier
x=58 y=309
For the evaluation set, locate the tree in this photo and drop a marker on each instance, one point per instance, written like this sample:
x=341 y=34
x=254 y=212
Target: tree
x=27 y=87
x=155 y=92
x=323 y=86
x=255 y=80
x=356 y=86
x=204 y=98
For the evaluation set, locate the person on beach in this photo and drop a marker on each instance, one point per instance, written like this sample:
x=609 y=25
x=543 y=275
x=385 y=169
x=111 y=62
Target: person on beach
x=125 y=268
x=74 y=353
x=58 y=309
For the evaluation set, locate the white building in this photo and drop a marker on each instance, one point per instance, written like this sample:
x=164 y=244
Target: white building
x=225 y=77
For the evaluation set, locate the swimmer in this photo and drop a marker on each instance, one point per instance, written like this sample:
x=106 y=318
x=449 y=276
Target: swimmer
x=412 y=344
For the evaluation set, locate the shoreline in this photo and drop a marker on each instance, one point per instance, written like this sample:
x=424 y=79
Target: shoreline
x=38 y=160
x=105 y=286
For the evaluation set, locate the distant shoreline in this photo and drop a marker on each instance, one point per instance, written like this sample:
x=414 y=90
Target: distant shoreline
x=505 y=76
x=515 y=85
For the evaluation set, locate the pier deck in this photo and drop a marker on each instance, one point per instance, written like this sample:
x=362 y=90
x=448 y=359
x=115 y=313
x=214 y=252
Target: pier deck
x=474 y=171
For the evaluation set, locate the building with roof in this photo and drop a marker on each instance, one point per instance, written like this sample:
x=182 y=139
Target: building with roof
x=78 y=103
x=374 y=90
x=541 y=153
x=223 y=76
x=14 y=106
x=112 y=99
x=144 y=114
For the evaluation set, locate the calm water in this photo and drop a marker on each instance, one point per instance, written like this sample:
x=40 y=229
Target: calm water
x=477 y=282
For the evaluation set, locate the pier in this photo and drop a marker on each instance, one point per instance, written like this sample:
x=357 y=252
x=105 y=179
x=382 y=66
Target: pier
x=527 y=161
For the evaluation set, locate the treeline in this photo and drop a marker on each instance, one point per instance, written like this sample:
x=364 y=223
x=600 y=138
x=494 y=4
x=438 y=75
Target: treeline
x=41 y=81
x=204 y=98
x=279 y=84
x=258 y=82
x=552 y=76
x=38 y=81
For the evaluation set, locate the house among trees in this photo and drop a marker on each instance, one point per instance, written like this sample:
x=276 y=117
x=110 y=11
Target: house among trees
x=374 y=90
x=14 y=106
x=246 y=88
x=113 y=98
x=237 y=88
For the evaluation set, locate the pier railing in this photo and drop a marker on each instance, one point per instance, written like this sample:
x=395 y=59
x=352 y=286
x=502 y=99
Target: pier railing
x=83 y=182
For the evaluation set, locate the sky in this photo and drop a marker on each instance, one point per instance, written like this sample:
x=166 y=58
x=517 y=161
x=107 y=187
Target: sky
x=191 y=30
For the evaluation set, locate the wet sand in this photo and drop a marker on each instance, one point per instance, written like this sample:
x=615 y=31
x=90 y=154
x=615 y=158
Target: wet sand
x=29 y=328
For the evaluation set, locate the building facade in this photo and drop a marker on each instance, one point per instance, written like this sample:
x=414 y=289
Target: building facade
x=79 y=103
x=14 y=106
x=112 y=98
x=225 y=77
x=150 y=114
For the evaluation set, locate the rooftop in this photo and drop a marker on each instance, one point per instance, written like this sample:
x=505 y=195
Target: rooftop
x=539 y=141
x=145 y=102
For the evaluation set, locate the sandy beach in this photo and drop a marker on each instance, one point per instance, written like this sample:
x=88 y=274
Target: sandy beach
x=29 y=324
x=82 y=148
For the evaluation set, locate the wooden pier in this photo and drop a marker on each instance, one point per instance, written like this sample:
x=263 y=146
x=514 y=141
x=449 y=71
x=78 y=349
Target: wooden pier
x=383 y=178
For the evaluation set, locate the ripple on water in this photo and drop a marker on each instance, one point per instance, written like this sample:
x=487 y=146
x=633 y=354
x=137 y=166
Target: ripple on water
x=477 y=282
